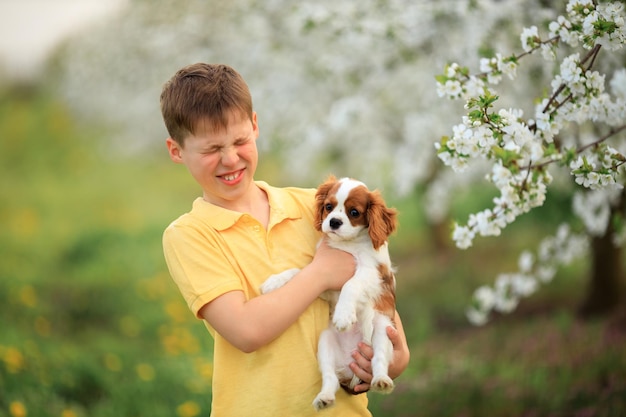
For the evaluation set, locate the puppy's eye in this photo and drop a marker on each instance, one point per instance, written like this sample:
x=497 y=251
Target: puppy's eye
x=354 y=213
x=328 y=207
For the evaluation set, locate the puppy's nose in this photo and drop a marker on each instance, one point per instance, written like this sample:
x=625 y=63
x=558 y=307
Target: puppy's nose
x=335 y=223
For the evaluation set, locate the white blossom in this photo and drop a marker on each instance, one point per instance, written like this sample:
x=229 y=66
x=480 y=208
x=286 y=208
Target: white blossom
x=594 y=209
x=473 y=87
x=523 y=285
x=462 y=236
x=545 y=273
x=618 y=84
x=476 y=316
x=526 y=261
x=529 y=38
x=451 y=89
x=510 y=288
x=570 y=69
x=506 y=298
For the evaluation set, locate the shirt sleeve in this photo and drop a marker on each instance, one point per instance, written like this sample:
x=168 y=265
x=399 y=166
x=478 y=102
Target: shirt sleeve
x=198 y=266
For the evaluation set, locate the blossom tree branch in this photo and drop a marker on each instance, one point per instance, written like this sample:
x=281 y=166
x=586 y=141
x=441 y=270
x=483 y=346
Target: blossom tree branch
x=520 y=150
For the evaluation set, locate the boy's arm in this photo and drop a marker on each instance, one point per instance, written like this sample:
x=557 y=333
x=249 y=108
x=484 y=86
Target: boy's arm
x=251 y=324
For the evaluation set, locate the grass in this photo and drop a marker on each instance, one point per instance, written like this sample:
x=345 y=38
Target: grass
x=545 y=365
x=92 y=325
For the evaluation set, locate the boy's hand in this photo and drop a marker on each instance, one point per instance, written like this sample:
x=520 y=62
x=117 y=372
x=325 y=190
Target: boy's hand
x=334 y=265
x=362 y=365
x=401 y=354
x=362 y=368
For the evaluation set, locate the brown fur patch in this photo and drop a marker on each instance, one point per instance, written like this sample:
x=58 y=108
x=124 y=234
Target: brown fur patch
x=321 y=196
x=382 y=219
x=359 y=200
x=386 y=304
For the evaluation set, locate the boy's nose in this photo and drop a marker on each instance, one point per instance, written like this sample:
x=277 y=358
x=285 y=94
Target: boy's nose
x=229 y=156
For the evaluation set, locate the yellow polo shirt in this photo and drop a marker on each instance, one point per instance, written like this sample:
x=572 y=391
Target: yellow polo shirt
x=210 y=251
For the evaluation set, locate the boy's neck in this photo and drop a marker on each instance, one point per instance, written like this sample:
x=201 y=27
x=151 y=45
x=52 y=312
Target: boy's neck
x=255 y=203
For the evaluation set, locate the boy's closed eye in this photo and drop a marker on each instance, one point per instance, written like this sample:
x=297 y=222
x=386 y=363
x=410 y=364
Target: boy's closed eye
x=242 y=141
x=218 y=148
x=212 y=150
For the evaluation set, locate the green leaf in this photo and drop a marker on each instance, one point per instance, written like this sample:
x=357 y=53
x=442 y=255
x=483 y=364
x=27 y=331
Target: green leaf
x=508 y=158
x=495 y=118
x=511 y=58
x=602 y=26
x=441 y=79
x=569 y=155
x=550 y=150
x=487 y=100
x=476 y=115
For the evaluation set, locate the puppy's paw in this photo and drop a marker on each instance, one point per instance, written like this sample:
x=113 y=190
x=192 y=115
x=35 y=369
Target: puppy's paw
x=278 y=280
x=323 y=401
x=344 y=320
x=382 y=384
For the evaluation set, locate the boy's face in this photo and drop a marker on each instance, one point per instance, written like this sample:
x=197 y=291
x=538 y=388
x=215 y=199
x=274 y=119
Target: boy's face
x=222 y=162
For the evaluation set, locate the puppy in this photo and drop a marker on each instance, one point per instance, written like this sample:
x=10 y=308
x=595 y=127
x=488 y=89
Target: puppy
x=356 y=220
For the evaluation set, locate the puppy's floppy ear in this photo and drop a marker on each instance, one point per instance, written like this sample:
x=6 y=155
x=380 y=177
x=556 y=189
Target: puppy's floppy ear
x=320 y=197
x=382 y=220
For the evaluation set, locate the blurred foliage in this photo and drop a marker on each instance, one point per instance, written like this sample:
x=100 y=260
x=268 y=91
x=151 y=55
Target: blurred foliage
x=92 y=325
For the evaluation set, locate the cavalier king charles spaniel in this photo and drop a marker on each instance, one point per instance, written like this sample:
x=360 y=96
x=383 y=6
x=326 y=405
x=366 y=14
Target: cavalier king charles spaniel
x=356 y=220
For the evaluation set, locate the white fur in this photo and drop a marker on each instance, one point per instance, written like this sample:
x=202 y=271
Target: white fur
x=353 y=315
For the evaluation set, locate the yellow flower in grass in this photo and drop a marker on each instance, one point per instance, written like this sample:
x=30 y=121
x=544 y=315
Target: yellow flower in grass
x=204 y=368
x=113 y=362
x=188 y=409
x=13 y=359
x=26 y=223
x=28 y=297
x=170 y=344
x=42 y=326
x=178 y=340
x=68 y=412
x=130 y=326
x=17 y=409
x=177 y=311
x=153 y=288
x=145 y=372
x=188 y=341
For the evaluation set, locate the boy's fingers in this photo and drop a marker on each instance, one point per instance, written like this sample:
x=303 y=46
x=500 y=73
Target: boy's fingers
x=366 y=351
x=363 y=365
x=393 y=335
x=363 y=375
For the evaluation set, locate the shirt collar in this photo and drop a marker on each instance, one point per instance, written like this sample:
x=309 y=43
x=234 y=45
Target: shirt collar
x=282 y=207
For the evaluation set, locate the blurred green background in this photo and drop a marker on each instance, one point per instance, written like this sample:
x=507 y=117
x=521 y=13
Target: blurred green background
x=92 y=325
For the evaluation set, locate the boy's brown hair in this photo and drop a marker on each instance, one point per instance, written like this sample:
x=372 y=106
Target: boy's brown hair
x=201 y=93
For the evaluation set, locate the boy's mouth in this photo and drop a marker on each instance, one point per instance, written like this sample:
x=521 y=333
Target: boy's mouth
x=232 y=177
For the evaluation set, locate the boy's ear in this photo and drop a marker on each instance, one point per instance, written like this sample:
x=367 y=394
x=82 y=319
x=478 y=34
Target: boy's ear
x=173 y=149
x=255 y=125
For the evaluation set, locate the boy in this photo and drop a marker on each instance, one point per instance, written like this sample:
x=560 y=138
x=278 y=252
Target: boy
x=237 y=234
